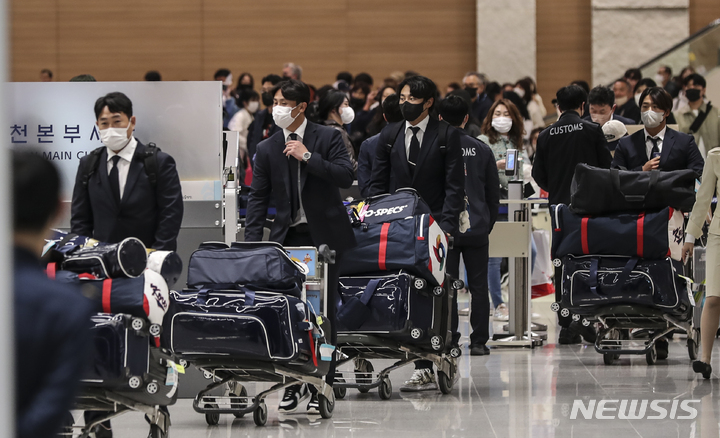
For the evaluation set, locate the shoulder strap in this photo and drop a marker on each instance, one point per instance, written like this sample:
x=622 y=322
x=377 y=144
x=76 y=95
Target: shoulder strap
x=442 y=136
x=91 y=164
x=390 y=142
x=700 y=119
x=151 y=163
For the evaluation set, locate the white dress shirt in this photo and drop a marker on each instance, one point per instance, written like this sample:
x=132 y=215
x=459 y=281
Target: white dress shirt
x=649 y=144
x=421 y=133
x=123 y=165
x=300 y=218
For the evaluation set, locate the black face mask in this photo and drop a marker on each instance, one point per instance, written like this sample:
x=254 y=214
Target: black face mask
x=693 y=94
x=267 y=98
x=357 y=104
x=411 y=111
x=471 y=91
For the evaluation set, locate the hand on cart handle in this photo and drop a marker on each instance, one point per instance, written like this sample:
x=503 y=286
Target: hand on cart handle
x=327 y=254
x=687 y=250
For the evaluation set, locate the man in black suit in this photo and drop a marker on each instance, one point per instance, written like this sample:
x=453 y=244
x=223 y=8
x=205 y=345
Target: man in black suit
x=262 y=126
x=51 y=319
x=602 y=109
x=482 y=193
x=125 y=189
x=560 y=147
x=626 y=106
x=474 y=83
x=368 y=149
x=303 y=166
x=417 y=160
x=657 y=146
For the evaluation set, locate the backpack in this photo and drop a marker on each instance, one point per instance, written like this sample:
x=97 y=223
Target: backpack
x=149 y=158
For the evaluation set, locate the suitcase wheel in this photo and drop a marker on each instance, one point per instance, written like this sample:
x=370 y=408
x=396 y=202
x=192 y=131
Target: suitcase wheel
x=152 y=388
x=564 y=313
x=458 y=284
x=455 y=352
x=326 y=406
x=212 y=418
x=155 y=329
x=557 y=263
x=183 y=363
x=260 y=414
x=437 y=343
x=586 y=322
x=134 y=382
x=419 y=283
x=438 y=291
x=137 y=324
x=416 y=333
x=385 y=388
x=576 y=317
x=555 y=307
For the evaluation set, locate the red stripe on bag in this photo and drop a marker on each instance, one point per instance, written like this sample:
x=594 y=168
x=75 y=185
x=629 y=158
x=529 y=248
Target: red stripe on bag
x=640 y=234
x=312 y=348
x=86 y=276
x=51 y=269
x=382 y=254
x=146 y=305
x=106 y=290
x=584 y=235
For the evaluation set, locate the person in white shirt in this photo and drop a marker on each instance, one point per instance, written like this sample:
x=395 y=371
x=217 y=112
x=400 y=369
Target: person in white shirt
x=249 y=102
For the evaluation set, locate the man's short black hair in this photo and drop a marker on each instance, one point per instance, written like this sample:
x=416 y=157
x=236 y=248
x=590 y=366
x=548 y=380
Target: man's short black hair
x=582 y=84
x=646 y=82
x=116 y=102
x=601 y=95
x=453 y=109
x=294 y=90
x=571 y=97
x=221 y=73
x=35 y=189
x=153 y=76
x=421 y=88
x=47 y=71
x=83 y=78
x=391 y=109
x=344 y=76
x=696 y=80
x=667 y=70
x=659 y=97
x=364 y=78
x=633 y=73
x=272 y=78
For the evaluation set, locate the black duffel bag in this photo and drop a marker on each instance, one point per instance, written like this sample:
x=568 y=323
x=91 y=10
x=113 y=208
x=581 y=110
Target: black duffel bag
x=601 y=191
x=109 y=260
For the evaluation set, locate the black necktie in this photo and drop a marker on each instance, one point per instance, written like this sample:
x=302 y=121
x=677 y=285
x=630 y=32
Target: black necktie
x=115 y=178
x=655 y=149
x=414 y=149
x=294 y=181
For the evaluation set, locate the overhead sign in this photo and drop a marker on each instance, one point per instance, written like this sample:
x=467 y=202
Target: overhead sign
x=184 y=119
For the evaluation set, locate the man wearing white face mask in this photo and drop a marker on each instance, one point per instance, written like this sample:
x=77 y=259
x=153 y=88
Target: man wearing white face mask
x=602 y=110
x=303 y=166
x=126 y=189
x=657 y=146
x=230 y=107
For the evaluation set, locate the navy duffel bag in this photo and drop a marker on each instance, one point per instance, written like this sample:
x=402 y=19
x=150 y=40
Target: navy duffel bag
x=255 y=265
x=416 y=244
x=646 y=235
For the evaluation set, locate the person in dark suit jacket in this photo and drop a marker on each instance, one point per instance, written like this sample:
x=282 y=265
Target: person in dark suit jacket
x=263 y=126
x=602 y=109
x=119 y=200
x=368 y=150
x=657 y=146
x=51 y=319
x=416 y=160
x=302 y=167
x=482 y=194
x=626 y=106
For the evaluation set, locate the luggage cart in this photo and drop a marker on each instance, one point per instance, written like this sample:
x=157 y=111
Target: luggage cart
x=360 y=348
x=231 y=373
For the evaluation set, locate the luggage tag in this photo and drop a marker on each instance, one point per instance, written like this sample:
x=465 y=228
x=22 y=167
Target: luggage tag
x=173 y=372
x=326 y=352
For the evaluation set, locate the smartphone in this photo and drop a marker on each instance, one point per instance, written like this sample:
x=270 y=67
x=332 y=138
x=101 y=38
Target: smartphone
x=511 y=162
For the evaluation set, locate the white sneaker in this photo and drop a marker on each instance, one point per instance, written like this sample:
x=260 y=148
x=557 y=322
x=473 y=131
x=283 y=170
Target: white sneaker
x=421 y=380
x=501 y=313
x=293 y=396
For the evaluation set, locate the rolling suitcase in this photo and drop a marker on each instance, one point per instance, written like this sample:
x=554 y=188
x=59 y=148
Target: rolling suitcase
x=402 y=307
x=124 y=362
x=244 y=325
x=590 y=282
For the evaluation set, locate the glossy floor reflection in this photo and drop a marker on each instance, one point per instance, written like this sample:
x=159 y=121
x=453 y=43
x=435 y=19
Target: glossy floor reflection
x=511 y=393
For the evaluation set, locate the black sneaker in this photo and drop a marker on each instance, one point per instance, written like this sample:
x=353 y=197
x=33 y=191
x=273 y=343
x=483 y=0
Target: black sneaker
x=588 y=333
x=293 y=396
x=479 y=350
x=313 y=407
x=568 y=337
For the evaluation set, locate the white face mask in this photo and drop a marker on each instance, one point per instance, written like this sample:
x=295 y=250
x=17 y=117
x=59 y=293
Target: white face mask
x=651 y=119
x=620 y=101
x=519 y=91
x=347 y=115
x=637 y=99
x=659 y=79
x=502 y=124
x=282 y=115
x=253 y=106
x=600 y=119
x=228 y=80
x=114 y=138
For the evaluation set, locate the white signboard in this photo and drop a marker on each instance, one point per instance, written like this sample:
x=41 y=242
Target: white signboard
x=183 y=119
